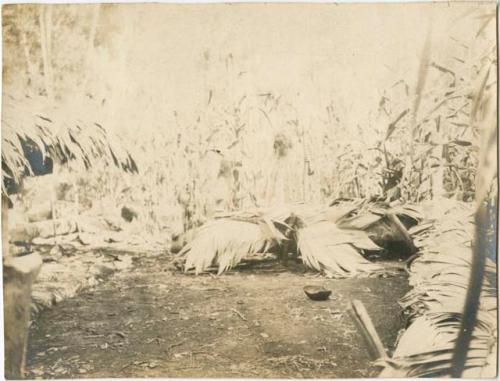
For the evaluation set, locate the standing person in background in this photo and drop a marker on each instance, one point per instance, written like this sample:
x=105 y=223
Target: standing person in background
x=223 y=190
x=217 y=189
x=277 y=180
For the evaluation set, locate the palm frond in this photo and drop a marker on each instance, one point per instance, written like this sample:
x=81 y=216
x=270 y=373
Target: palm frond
x=224 y=243
x=426 y=348
x=439 y=277
x=323 y=245
x=333 y=251
x=55 y=133
x=366 y=214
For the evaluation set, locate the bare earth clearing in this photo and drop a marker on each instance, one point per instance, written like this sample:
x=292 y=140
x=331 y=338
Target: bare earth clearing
x=150 y=322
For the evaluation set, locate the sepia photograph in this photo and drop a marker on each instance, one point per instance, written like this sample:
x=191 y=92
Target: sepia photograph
x=250 y=190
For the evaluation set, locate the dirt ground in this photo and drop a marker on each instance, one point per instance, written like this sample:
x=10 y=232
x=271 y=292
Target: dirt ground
x=148 y=321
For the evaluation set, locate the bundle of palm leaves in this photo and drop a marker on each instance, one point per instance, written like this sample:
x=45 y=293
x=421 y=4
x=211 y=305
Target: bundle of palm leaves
x=440 y=277
x=329 y=239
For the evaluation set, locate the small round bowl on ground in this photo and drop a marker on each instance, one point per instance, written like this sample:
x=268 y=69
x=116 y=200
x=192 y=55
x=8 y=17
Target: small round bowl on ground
x=317 y=292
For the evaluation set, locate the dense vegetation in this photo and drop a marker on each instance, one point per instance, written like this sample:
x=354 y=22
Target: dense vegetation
x=419 y=142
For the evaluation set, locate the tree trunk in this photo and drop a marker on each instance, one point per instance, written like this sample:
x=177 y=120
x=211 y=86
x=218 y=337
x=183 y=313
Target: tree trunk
x=29 y=64
x=90 y=47
x=5 y=226
x=18 y=276
x=45 y=19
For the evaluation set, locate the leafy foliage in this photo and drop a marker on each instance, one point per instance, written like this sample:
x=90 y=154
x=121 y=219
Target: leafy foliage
x=77 y=141
x=325 y=237
x=335 y=252
x=224 y=242
x=210 y=158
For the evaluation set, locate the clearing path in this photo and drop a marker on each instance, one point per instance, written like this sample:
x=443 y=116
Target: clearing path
x=150 y=322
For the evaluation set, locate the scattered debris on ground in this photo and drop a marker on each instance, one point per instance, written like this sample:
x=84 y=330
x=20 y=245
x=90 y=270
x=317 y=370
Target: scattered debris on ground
x=63 y=276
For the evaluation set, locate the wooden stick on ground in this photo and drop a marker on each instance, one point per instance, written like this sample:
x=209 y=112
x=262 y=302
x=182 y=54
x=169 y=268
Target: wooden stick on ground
x=239 y=314
x=369 y=331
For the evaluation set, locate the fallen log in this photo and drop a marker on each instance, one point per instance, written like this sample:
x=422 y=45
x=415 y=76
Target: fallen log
x=43 y=229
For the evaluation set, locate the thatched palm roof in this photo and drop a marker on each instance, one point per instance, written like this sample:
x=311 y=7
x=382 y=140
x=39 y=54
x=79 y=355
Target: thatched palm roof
x=32 y=124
